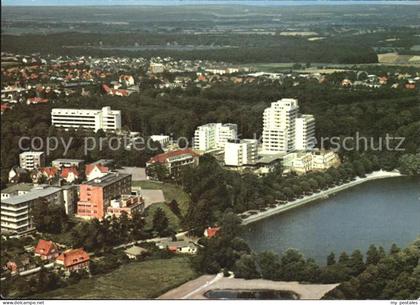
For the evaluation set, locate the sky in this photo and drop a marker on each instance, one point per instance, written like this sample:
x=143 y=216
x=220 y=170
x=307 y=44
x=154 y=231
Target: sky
x=163 y=2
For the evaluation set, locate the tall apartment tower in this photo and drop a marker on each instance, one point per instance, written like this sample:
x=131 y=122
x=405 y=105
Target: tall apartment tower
x=279 y=126
x=214 y=136
x=305 y=132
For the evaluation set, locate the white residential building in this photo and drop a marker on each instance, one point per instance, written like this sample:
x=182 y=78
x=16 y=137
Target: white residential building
x=163 y=140
x=31 y=159
x=305 y=132
x=241 y=152
x=15 y=211
x=105 y=118
x=302 y=162
x=279 y=126
x=156 y=68
x=322 y=160
x=214 y=136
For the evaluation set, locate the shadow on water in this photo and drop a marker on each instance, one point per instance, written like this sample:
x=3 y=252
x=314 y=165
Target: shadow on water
x=240 y=294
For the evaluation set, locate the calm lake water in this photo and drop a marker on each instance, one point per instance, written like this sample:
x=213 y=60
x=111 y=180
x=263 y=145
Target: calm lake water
x=379 y=212
x=234 y=294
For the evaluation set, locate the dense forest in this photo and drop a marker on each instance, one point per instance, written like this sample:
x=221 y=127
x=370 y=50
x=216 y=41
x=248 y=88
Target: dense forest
x=338 y=112
x=236 y=48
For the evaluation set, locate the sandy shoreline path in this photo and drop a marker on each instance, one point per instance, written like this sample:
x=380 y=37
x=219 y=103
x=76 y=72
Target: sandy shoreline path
x=321 y=195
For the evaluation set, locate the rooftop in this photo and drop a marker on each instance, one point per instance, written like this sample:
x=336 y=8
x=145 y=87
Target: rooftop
x=269 y=158
x=18 y=187
x=31 y=153
x=68 y=160
x=135 y=250
x=162 y=158
x=107 y=179
x=35 y=193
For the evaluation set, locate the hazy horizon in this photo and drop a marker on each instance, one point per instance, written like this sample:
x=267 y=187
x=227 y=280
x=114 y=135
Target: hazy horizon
x=192 y=2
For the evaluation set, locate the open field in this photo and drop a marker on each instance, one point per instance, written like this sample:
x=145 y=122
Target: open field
x=138 y=280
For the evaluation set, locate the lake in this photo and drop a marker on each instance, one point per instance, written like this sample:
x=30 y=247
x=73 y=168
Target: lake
x=238 y=294
x=379 y=212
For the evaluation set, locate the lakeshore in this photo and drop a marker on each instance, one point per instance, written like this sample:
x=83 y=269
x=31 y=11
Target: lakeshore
x=318 y=196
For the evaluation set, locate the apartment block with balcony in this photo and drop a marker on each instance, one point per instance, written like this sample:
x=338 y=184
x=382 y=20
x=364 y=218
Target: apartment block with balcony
x=241 y=152
x=15 y=211
x=279 y=126
x=213 y=136
x=305 y=132
x=32 y=159
x=285 y=130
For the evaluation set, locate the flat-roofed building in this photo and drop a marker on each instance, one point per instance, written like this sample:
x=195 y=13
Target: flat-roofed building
x=163 y=140
x=323 y=160
x=16 y=190
x=15 y=211
x=96 y=194
x=174 y=161
x=241 y=152
x=32 y=159
x=127 y=203
x=105 y=118
x=279 y=126
x=214 y=136
x=60 y=163
x=305 y=132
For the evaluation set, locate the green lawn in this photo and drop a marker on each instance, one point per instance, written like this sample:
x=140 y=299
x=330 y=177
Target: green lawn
x=137 y=280
x=170 y=191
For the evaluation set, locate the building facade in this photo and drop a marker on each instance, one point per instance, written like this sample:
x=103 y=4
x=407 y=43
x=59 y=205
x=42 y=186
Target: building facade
x=241 y=152
x=105 y=118
x=31 y=159
x=15 y=211
x=285 y=130
x=128 y=204
x=279 y=126
x=60 y=163
x=305 y=132
x=174 y=161
x=214 y=136
x=96 y=194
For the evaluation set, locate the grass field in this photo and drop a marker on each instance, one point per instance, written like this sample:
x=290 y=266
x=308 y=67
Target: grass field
x=138 y=280
x=170 y=191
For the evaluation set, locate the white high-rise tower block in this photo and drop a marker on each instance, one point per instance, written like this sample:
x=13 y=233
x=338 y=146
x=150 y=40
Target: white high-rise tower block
x=279 y=126
x=305 y=132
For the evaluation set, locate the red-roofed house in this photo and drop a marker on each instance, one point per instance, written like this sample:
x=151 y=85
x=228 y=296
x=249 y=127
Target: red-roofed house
x=4 y=107
x=46 y=249
x=70 y=174
x=211 y=232
x=95 y=170
x=73 y=260
x=116 y=92
x=49 y=172
x=173 y=160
